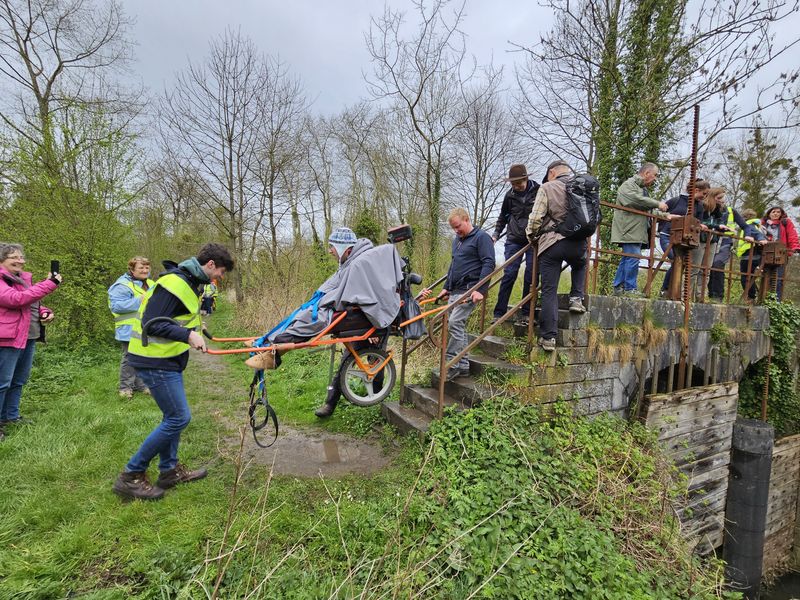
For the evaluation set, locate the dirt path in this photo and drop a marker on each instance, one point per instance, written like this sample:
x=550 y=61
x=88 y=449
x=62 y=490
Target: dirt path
x=304 y=452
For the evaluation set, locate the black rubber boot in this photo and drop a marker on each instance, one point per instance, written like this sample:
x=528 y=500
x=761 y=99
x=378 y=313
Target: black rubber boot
x=326 y=410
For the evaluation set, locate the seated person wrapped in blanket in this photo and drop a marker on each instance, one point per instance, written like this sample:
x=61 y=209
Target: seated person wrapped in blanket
x=365 y=285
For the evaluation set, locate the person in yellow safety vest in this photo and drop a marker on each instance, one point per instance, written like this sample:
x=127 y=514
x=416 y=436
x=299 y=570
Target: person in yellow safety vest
x=124 y=299
x=743 y=252
x=160 y=364
x=723 y=220
x=209 y=302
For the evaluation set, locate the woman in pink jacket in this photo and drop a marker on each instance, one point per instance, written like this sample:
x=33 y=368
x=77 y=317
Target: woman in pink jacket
x=21 y=325
x=779 y=228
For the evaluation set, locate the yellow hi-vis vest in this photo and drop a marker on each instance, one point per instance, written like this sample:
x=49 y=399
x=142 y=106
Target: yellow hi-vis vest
x=130 y=317
x=743 y=246
x=158 y=347
x=731 y=223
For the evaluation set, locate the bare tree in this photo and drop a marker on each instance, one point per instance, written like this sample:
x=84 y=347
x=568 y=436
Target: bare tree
x=216 y=118
x=283 y=106
x=422 y=74
x=56 y=53
x=487 y=143
x=614 y=69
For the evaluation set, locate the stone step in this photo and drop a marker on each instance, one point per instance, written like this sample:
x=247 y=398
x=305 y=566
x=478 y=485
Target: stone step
x=406 y=419
x=572 y=338
x=480 y=365
x=426 y=400
x=550 y=373
x=602 y=389
x=493 y=345
x=464 y=390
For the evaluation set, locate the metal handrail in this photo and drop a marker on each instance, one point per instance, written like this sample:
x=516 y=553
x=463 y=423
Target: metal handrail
x=595 y=255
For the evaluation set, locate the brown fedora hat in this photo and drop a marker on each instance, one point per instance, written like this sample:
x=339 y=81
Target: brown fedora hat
x=516 y=173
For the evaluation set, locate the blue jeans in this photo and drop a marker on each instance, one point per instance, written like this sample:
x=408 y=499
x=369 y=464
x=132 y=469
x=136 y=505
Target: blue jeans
x=15 y=369
x=628 y=269
x=167 y=390
x=510 y=278
x=663 y=242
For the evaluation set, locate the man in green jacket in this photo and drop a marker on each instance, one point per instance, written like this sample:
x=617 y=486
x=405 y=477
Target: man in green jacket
x=630 y=230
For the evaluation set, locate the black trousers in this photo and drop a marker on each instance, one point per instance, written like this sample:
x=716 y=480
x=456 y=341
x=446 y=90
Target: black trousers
x=573 y=252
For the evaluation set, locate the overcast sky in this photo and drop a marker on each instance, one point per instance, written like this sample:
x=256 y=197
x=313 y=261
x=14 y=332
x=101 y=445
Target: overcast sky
x=321 y=41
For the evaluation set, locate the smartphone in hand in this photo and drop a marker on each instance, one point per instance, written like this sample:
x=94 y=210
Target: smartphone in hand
x=55 y=267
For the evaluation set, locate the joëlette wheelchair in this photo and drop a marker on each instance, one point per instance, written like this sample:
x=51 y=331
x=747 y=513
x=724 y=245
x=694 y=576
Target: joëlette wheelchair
x=368 y=373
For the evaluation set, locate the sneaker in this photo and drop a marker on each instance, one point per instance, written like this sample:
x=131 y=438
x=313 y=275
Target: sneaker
x=180 y=474
x=454 y=372
x=618 y=290
x=548 y=344
x=576 y=305
x=523 y=322
x=145 y=391
x=126 y=394
x=135 y=486
x=18 y=421
x=634 y=294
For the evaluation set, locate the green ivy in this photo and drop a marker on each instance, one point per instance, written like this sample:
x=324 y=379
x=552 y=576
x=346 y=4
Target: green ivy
x=519 y=501
x=783 y=402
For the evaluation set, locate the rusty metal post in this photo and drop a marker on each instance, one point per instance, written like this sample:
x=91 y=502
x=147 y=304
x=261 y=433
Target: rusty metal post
x=534 y=295
x=765 y=391
x=750 y=279
x=687 y=300
x=652 y=258
x=403 y=360
x=483 y=311
x=442 y=365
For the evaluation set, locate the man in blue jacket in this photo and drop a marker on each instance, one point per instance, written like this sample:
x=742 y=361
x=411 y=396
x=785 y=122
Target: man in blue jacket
x=124 y=299
x=175 y=298
x=473 y=260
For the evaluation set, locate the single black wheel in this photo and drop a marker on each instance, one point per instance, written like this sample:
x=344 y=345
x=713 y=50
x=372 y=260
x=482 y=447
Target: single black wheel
x=356 y=385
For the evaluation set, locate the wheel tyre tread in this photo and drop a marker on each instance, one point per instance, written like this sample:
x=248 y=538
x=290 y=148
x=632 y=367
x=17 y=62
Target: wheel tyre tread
x=389 y=372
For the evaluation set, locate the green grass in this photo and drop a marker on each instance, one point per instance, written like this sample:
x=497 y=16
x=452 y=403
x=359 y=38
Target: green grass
x=497 y=483
x=62 y=530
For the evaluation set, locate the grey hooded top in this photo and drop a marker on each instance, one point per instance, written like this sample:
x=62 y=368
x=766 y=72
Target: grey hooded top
x=368 y=278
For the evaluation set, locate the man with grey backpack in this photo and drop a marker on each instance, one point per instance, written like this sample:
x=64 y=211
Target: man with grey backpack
x=560 y=224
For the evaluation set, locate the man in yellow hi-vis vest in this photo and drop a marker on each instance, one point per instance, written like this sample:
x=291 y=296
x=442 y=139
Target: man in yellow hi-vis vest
x=160 y=364
x=124 y=299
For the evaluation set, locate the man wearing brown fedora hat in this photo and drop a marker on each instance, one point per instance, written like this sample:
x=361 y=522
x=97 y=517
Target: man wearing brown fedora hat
x=514 y=214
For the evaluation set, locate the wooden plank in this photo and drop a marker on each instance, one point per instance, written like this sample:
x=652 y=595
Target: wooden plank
x=700 y=424
x=706 y=464
x=780 y=524
x=690 y=410
x=783 y=512
x=777 y=550
x=712 y=505
x=688 y=455
x=786 y=491
x=730 y=388
x=786 y=466
x=695 y=439
x=787 y=442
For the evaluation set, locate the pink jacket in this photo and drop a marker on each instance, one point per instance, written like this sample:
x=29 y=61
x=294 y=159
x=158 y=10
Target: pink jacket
x=15 y=302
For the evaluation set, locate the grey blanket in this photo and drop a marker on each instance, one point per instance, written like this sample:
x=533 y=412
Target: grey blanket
x=368 y=279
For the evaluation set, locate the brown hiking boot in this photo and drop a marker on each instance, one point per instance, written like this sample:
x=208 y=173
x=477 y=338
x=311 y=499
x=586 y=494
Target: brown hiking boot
x=180 y=474
x=135 y=486
x=262 y=360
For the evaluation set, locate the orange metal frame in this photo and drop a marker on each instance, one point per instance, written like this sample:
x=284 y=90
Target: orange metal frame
x=315 y=342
